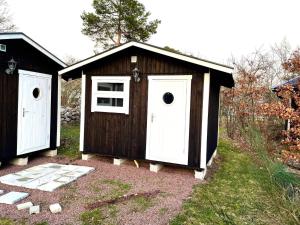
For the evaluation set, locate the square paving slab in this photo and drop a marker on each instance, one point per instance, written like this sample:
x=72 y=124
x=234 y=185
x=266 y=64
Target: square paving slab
x=46 y=177
x=13 y=197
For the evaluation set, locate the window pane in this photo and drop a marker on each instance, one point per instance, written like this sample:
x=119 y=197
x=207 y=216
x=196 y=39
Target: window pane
x=110 y=86
x=117 y=102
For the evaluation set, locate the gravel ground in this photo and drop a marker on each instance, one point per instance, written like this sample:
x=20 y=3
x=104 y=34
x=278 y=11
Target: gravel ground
x=174 y=183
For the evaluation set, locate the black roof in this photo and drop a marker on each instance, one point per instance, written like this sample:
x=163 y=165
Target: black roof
x=35 y=44
x=294 y=82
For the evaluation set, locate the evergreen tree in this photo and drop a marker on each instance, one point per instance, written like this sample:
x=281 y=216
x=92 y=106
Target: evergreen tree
x=117 y=21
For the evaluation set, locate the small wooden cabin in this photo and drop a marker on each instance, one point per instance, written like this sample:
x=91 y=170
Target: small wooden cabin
x=29 y=97
x=144 y=102
x=295 y=83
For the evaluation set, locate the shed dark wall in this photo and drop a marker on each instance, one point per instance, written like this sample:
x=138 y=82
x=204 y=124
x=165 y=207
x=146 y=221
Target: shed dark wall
x=213 y=116
x=121 y=135
x=28 y=58
x=8 y=115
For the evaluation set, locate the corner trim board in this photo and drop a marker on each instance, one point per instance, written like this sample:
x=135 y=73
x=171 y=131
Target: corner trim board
x=58 y=111
x=204 y=126
x=82 y=112
x=219 y=109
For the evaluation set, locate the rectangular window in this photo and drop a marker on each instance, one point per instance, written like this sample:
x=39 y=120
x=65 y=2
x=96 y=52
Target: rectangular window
x=110 y=102
x=110 y=94
x=110 y=86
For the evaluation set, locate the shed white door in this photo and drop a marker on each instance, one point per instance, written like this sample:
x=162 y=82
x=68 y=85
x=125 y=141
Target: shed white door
x=168 y=119
x=34 y=111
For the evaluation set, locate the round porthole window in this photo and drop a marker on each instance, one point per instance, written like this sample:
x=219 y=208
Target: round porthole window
x=168 y=98
x=36 y=93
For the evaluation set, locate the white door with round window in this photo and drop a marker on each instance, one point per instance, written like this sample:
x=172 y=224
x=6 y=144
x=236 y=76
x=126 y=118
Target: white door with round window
x=168 y=119
x=34 y=111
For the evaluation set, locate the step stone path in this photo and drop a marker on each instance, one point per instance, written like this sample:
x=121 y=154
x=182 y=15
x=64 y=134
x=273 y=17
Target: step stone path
x=46 y=177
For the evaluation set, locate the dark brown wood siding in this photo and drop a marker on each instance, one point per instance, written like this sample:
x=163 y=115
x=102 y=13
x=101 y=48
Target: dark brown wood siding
x=8 y=115
x=121 y=135
x=213 y=116
x=28 y=58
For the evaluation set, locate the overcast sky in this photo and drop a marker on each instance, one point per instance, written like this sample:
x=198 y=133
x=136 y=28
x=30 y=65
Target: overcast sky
x=211 y=29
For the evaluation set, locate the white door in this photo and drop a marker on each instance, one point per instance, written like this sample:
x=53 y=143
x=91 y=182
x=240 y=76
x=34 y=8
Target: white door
x=168 y=118
x=33 y=112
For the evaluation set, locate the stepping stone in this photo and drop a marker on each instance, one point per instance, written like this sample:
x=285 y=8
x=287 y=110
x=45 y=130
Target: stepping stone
x=10 y=179
x=34 y=184
x=34 y=209
x=65 y=179
x=51 y=186
x=84 y=169
x=55 y=208
x=13 y=197
x=25 y=205
x=46 y=177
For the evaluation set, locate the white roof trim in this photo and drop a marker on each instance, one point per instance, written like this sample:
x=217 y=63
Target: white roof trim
x=152 y=49
x=10 y=36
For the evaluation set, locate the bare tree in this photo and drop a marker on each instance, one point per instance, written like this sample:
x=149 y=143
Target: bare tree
x=6 y=24
x=281 y=53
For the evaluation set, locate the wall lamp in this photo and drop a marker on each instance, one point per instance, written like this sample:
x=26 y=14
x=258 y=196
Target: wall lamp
x=136 y=75
x=12 y=64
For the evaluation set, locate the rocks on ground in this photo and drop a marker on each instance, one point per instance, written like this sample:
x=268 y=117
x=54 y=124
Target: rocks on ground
x=69 y=114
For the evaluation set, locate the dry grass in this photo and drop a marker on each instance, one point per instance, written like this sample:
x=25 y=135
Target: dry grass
x=241 y=192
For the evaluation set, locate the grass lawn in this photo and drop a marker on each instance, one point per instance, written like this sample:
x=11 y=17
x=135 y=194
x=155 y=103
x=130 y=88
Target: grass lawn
x=240 y=192
x=70 y=141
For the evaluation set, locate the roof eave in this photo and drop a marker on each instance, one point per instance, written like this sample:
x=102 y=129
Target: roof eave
x=219 y=67
x=19 y=35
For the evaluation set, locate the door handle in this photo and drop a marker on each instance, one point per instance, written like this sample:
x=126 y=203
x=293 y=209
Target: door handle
x=24 y=111
x=152 y=117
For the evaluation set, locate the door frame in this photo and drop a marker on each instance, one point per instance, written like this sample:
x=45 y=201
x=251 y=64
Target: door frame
x=188 y=79
x=22 y=74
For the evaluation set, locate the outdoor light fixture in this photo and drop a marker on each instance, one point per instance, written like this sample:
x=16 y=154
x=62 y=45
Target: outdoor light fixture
x=11 y=66
x=136 y=74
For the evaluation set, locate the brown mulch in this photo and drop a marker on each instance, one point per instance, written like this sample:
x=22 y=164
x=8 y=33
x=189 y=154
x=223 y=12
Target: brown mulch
x=174 y=183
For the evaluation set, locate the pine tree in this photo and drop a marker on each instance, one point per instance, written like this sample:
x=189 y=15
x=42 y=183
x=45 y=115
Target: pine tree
x=117 y=21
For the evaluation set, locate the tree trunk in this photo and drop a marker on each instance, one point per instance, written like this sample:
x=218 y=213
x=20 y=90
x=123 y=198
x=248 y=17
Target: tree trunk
x=118 y=42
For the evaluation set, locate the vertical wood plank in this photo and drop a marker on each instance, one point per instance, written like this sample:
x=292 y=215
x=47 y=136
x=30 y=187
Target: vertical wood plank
x=121 y=135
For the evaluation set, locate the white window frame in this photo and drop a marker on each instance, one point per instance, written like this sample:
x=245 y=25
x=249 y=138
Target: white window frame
x=125 y=80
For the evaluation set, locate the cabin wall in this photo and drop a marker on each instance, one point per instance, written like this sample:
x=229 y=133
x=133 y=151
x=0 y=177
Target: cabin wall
x=213 y=116
x=8 y=115
x=27 y=58
x=121 y=135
